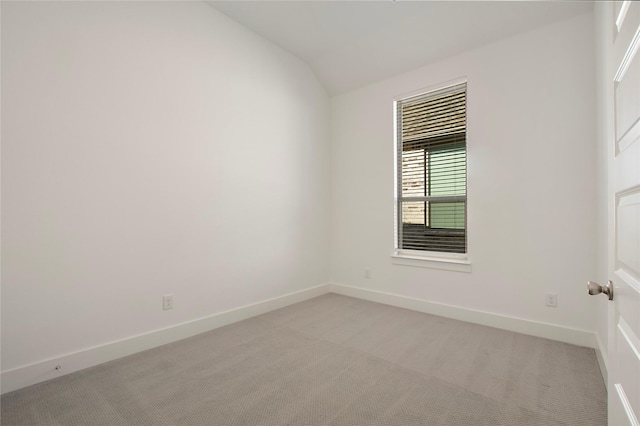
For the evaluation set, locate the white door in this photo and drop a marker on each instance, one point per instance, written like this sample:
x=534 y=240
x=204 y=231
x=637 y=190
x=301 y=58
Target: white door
x=624 y=223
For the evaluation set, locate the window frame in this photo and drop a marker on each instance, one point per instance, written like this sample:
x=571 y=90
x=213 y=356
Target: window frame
x=422 y=258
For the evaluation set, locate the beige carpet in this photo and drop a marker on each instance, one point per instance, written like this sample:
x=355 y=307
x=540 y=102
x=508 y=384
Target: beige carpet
x=332 y=360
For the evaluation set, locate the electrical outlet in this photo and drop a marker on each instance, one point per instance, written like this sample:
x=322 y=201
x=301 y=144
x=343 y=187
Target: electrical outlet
x=167 y=301
x=367 y=273
x=551 y=299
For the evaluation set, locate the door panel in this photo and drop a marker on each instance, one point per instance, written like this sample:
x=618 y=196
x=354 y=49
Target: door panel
x=629 y=147
x=627 y=99
x=627 y=356
x=628 y=235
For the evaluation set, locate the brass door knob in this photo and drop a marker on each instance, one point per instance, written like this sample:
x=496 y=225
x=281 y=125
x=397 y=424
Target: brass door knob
x=595 y=288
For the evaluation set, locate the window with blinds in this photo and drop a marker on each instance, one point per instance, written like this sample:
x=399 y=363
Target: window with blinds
x=432 y=171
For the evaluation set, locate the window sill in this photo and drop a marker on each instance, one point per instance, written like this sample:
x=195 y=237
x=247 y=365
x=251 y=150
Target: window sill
x=447 y=264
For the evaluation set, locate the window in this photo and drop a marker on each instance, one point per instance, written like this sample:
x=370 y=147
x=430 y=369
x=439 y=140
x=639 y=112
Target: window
x=431 y=187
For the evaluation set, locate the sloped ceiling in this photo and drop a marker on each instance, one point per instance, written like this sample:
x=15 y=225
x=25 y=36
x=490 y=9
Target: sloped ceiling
x=349 y=44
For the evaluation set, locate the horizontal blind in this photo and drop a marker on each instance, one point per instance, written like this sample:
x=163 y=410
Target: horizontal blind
x=432 y=171
x=441 y=114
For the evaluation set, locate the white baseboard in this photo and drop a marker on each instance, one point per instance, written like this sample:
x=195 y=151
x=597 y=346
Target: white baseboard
x=44 y=370
x=549 y=331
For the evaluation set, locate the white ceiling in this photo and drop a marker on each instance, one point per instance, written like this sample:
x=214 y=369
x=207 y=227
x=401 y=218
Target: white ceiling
x=349 y=44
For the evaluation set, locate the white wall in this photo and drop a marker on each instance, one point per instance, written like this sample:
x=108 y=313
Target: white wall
x=531 y=190
x=151 y=148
